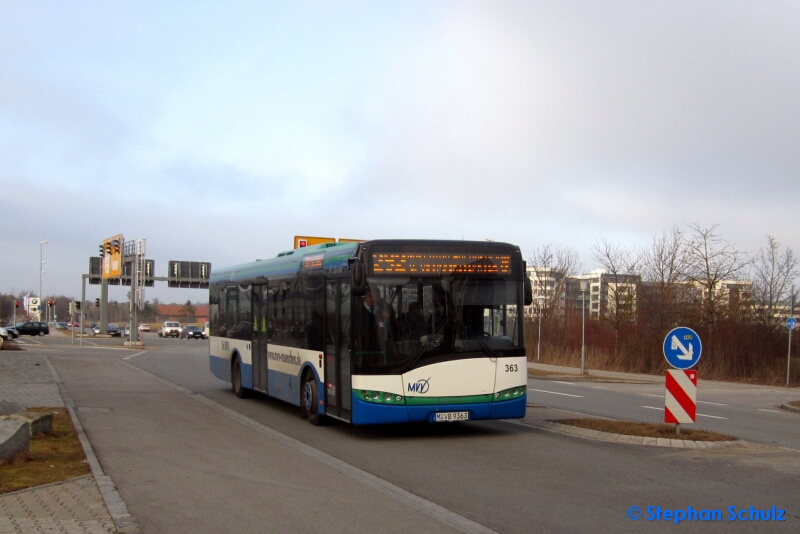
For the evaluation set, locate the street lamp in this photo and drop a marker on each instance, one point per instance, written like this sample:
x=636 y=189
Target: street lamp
x=41 y=275
x=542 y=298
x=584 y=287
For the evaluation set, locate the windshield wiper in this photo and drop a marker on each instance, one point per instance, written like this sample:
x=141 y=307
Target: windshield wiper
x=485 y=347
x=422 y=348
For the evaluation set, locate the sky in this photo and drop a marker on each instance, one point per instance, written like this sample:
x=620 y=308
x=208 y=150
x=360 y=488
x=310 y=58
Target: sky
x=217 y=131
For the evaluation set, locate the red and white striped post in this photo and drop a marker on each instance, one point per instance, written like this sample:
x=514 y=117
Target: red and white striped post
x=680 y=401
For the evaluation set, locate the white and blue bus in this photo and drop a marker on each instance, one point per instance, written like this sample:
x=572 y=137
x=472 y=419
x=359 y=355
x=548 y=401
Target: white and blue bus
x=383 y=331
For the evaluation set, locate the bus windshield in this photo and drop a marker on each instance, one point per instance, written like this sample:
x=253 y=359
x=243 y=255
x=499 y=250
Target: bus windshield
x=404 y=323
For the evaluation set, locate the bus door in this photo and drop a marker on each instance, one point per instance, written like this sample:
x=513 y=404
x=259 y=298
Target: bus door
x=338 y=387
x=260 y=334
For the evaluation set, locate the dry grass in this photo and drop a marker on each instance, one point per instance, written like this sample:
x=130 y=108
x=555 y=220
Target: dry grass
x=52 y=457
x=796 y=404
x=647 y=430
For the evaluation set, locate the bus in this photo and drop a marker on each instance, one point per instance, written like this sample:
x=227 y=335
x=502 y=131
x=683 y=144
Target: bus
x=383 y=331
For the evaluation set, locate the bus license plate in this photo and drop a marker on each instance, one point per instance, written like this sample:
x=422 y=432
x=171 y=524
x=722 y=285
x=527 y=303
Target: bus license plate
x=447 y=417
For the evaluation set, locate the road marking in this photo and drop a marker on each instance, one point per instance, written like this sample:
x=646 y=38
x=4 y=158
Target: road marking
x=711 y=416
x=556 y=393
x=652 y=408
x=567 y=383
x=770 y=411
x=134 y=355
x=714 y=403
x=651 y=395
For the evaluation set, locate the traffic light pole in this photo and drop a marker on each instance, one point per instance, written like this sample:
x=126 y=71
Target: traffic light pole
x=83 y=301
x=104 y=306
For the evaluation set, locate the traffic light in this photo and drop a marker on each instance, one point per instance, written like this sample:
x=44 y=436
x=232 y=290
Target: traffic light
x=108 y=248
x=50 y=302
x=16 y=304
x=115 y=246
x=102 y=251
x=77 y=305
x=97 y=303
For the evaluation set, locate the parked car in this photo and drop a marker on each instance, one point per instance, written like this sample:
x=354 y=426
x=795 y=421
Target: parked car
x=144 y=327
x=32 y=328
x=4 y=335
x=207 y=330
x=170 y=329
x=127 y=330
x=13 y=332
x=192 y=332
x=61 y=326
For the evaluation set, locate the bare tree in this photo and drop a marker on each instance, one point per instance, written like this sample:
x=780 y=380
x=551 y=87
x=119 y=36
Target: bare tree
x=663 y=266
x=620 y=264
x=561 y=263
x=710 y=261
x=773 y=273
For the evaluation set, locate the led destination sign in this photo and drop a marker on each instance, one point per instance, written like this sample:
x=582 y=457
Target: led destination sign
x=439 y=263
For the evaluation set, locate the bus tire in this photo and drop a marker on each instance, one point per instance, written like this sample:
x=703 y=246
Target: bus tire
x=236 y=381
x=309 y=403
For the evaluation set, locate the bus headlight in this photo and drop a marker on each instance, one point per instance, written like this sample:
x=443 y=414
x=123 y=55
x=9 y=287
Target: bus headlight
x=510 y=393
x=381 y=397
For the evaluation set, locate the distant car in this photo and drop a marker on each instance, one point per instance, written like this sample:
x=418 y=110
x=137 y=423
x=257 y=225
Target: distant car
x=170 y=329
x=113 y=330
x=61 y=326
x=32 y=328
x=127 y=330
x=193 y=332
x=11 y=331
x=144 y=327
x=207 y=330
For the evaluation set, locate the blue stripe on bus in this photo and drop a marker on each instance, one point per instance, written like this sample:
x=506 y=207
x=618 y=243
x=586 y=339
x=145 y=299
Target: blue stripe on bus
x=369 y=413
x=221 y=367
x=287 y=387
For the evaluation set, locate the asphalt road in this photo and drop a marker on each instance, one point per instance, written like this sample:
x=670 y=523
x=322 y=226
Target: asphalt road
x=188 y=456
x=747 y=412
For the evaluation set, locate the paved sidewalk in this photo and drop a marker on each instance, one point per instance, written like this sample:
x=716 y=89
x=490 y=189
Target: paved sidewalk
x=88 y=504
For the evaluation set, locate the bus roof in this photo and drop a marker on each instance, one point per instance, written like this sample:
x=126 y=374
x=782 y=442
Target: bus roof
x=332 y=257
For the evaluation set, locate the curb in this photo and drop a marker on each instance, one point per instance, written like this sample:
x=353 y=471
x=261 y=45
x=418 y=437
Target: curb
x=790 y=408
x=634 y=440
x=123 y=521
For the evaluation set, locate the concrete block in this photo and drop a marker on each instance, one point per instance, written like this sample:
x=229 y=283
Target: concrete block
x=39 y=422
x=15 y=437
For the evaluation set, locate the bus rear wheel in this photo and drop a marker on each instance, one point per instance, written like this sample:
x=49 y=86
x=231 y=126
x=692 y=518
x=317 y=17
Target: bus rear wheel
x=309 y=406
x=236 y=381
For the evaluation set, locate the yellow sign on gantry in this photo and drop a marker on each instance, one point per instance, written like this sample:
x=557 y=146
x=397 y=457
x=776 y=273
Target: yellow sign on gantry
x=302 y=241
x=112 y=257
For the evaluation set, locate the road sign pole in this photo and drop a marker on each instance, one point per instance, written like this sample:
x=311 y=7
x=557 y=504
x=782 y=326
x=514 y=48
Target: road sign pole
x=789 y=360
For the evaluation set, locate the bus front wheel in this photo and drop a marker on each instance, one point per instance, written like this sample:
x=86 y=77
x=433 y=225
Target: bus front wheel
x=310 y=402
x=236 y=381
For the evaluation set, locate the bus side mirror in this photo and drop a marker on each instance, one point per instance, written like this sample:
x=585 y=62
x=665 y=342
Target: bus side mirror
x=527 y=287
x=358 y=279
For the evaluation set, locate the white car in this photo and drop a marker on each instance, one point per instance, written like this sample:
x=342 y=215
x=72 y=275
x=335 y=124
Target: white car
x=170 y=329
x=4 y=334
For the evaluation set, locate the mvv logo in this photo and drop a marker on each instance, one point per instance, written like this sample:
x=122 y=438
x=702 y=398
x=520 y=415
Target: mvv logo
x=421 y=386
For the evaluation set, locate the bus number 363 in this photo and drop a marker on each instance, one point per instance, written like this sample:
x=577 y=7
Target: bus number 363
x=511 y=368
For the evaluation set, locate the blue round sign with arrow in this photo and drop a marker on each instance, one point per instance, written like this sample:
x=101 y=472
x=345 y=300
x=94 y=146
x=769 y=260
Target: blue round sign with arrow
x=682 y=348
